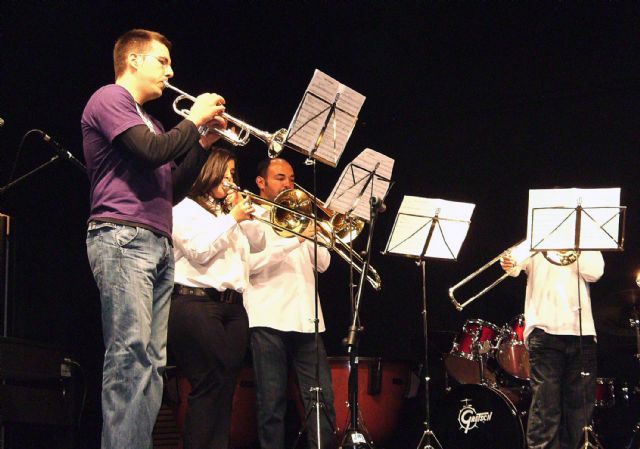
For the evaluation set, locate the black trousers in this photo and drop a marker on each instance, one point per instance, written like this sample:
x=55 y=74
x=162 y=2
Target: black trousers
x=556 y=416
x=209 y=342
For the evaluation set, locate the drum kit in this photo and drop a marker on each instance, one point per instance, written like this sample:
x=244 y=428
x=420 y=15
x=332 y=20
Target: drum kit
x=490 y=365
x=487 y=405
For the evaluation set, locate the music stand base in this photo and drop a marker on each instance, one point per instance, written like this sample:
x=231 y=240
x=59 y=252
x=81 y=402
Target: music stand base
x=353 y=439
x=427 y=435
x=588 y=435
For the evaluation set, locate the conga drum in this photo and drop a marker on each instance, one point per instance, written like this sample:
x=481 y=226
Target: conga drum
x=382 y=387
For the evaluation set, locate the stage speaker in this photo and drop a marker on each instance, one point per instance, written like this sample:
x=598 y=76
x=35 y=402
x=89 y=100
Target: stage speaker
x=38 y=395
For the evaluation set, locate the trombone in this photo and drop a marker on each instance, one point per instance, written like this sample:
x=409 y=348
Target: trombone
x=561 y=258
x=275 y=141
x=291 y=213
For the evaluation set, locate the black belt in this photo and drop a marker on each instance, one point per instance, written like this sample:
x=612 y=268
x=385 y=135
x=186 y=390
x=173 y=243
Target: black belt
x=227 y=296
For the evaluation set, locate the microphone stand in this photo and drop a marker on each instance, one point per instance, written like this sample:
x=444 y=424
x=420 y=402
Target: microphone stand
x=352 y=437
x=9 y=186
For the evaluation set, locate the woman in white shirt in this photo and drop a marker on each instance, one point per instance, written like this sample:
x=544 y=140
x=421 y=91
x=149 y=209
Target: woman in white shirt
x=208 y=325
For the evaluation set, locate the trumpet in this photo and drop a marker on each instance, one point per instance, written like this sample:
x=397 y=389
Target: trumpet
x=291 y=212
x=275 y=141
x=561 y=258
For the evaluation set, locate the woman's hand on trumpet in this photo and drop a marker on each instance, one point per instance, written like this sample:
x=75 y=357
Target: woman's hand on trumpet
x=242 y=208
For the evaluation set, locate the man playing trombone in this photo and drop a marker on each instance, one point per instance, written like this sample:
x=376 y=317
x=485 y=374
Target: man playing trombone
x=552 y=314
x=280 y=303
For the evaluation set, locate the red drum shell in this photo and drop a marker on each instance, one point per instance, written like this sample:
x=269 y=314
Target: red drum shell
x=512 y=354
x=605 y=392
x=461 y=363
x=382 y=387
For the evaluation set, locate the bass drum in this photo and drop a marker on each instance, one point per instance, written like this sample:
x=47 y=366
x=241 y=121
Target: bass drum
x=478 y=417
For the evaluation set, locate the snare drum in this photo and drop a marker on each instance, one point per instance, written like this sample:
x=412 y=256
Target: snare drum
x=512 y=354
x=605 y=392
x=463 y=361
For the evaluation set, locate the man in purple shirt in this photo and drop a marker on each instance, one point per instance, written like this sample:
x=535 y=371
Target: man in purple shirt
x=135 y=181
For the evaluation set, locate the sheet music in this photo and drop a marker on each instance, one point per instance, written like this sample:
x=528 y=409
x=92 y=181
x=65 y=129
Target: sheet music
x=343 y=197
x=313 y=111
x=555 y=228
x=414 y=220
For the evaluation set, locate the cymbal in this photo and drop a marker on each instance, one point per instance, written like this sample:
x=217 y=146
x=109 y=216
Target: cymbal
x=612 y=314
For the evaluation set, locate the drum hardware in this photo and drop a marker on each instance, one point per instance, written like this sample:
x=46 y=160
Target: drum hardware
x=275 y=141
x=555 y=257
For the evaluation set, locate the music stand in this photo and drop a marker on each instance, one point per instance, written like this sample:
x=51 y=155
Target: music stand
x=577 y=220
x=326 y=103
x=360 y=191
x=432 y=228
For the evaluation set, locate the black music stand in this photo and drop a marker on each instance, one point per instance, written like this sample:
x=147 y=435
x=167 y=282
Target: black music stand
x=428 y=228
x=360 y=191
x=555 y=227
x=326 y=105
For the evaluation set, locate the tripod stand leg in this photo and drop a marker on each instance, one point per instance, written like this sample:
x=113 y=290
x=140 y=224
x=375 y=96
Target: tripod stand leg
x=588 y=435
x=317 y=404
x=425 y=441
x=634 y=442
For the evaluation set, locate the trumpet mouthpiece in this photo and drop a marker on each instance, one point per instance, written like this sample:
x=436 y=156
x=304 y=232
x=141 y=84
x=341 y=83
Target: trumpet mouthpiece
x=229 y=185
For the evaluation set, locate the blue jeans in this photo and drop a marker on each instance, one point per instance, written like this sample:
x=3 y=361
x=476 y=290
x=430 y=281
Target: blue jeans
x=272 y=351
x=133 y=268
x=556 y=415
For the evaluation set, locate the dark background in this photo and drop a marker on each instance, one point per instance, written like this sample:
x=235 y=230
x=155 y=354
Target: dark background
x=476 y=102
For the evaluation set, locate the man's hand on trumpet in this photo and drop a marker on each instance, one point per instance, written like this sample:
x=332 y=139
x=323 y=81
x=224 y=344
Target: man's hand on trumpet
x=207 y=111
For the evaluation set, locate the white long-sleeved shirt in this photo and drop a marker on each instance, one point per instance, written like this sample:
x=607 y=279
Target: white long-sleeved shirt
x=282 y=291
x=551 y=302
x=215 y=251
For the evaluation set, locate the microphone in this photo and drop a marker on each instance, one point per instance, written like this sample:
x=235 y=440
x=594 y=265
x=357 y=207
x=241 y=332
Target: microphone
x=62 y=152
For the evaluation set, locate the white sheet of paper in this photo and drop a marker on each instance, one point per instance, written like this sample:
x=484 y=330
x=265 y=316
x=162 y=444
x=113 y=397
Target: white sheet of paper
x=555 y=228
x=312 y=116
x=344 y=195
x=414 y=221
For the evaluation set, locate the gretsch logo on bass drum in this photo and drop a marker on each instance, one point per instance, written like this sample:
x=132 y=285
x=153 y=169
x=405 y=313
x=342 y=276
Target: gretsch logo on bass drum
x=468 y=418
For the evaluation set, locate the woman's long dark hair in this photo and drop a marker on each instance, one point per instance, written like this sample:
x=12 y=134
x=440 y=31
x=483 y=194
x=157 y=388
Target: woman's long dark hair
x=213 y=172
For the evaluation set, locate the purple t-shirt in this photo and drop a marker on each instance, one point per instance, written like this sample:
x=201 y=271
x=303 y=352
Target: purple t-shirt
x=121 y=188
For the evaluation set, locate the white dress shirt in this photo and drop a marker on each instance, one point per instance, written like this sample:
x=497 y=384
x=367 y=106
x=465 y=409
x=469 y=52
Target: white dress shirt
x=551 y=303
x=212 y=251
x=282 y=291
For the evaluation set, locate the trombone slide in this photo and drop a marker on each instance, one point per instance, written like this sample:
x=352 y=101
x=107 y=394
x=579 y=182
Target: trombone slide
x=519 y=252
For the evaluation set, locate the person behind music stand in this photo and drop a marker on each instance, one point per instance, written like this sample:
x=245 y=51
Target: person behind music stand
x=281 y=308
x=556 y=415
